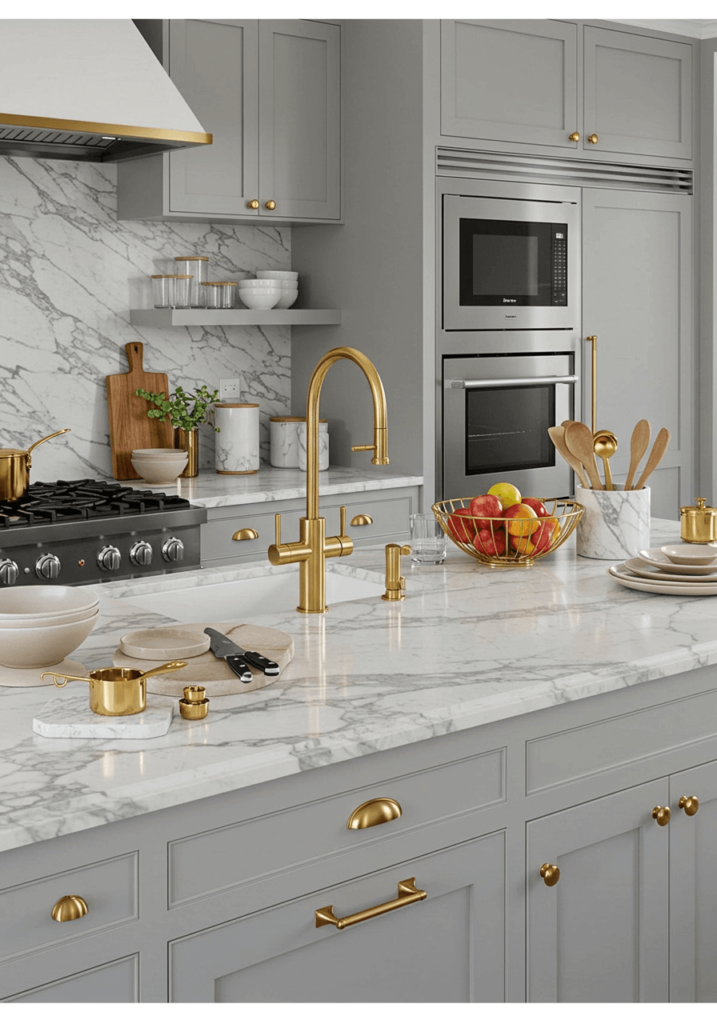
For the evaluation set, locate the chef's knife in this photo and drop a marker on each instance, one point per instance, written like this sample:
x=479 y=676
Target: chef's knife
x=223 y=647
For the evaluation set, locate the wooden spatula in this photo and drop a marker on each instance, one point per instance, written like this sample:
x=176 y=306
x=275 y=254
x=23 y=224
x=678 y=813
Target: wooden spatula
x=638 y=446
x=655 y=457
x=579 y=441
x=557 y=436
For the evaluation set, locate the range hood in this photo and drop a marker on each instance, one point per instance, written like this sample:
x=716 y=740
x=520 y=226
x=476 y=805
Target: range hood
x=87 y=90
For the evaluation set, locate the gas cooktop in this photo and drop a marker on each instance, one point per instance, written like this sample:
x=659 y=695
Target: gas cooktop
x=91 y=531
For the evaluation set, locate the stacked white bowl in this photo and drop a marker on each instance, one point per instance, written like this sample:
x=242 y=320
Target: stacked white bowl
x=289 y=281
x=257 y=294
x=41 y=625
x=159 y=466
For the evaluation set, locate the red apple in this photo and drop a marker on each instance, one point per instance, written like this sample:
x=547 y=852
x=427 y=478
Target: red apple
x=537 y=506
x=485 y=507
x=490 y=543
x=543 y=536
x=461 y=526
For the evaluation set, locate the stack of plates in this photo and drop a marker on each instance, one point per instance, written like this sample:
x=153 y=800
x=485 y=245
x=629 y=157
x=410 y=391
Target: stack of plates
x=654 y=572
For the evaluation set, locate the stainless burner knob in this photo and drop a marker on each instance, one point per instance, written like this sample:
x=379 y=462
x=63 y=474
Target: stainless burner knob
x=141 y=553
x=48 y=567
x=109 y=558
x=173 y=550
x=8 y=572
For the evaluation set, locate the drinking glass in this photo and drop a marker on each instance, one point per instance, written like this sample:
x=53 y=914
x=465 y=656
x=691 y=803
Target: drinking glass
x=428 y=541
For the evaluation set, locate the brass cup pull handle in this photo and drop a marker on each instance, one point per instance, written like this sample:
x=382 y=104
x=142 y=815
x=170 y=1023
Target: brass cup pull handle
x=253 y=204
x=362 y=519
x=69 y=908
x=593 y=138
x=550 y=873
x=245 y=534
x=574 y=137
x=270 y=204
x=375 y=812
x=689 y=804
x=661 y=815
x=407 y=893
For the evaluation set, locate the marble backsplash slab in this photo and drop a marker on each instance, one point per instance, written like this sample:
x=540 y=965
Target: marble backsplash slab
x=69 y=274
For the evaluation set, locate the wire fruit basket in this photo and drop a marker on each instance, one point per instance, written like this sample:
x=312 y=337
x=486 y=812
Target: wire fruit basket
x=508 y=541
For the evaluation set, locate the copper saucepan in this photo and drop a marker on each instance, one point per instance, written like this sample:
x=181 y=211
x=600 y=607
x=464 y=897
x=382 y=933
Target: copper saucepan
x=117 y=691
x=15 y=466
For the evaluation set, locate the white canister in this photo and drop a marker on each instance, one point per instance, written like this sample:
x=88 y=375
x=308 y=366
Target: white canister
x=284 y=441
x=323 y=445
x=615 y=524
x=236 y=446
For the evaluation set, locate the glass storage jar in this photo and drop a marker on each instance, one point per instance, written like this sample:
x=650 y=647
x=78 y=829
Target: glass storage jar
x=182 y=290
x=220 y=294
x=197 y=267
x=163 y=290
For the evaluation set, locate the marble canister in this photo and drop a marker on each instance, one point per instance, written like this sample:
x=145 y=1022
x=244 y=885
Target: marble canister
x=284 y=441
x=236 y=446
x=323 y=445
x=615 y=524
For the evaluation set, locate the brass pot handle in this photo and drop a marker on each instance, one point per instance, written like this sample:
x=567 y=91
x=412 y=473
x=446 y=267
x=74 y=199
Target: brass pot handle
x=550 y=873
x=375 y=812
x=69 y=908
x=661 y=815
x=689 y=804
x=407 y=893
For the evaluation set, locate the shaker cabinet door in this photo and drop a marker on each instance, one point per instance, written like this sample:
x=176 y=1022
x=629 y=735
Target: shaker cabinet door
x=447 y=948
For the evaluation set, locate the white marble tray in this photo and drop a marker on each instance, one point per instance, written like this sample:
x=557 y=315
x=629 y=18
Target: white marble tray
x=70 y=717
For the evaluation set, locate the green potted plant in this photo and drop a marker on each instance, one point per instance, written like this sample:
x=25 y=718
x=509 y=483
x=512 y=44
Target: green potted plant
x=186 y=412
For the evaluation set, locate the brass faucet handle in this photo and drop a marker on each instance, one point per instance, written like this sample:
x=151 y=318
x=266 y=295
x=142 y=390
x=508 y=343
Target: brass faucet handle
x=342 y=520
x=363 y=447
x=277 y=529
x=395 y=582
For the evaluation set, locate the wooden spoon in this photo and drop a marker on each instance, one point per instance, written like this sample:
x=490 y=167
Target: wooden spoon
x=557 y=436
x=579 y=441
x=655 y=457
x=638 y=446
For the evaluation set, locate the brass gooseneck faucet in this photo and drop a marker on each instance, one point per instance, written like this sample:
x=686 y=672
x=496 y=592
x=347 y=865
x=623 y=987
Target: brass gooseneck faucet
x=314 y=547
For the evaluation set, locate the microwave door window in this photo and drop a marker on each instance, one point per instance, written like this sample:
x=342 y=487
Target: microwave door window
x=505 y=265
x=512 y=263
x=507 y=428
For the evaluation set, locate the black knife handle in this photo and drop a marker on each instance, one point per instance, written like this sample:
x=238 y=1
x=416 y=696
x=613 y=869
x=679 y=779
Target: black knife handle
x=239 y=667
x=269 y=668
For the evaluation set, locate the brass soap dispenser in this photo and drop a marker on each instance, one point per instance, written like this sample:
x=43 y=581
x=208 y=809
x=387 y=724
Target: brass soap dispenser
x=698 y=523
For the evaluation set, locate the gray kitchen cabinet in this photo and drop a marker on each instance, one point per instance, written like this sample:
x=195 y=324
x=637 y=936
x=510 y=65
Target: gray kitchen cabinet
x=116 y=982
x=594 y=91
x=270 y=94
x=448 y=947
x=637 y=300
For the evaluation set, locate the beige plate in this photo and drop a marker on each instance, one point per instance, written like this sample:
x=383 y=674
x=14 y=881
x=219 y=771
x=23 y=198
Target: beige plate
x=627 y=579
x=165 y=643
x=214 y=673
x=31 y=676
x=654 y=556
x=640 y=568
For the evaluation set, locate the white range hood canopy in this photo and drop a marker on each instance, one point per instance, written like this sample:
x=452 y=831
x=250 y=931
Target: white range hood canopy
x=87 y=90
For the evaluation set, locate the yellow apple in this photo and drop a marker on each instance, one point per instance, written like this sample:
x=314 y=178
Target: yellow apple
x=507 y=493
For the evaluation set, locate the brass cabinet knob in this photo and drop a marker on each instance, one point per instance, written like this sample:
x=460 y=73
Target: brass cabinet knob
x=593 y=138
x=574 y=137
x=253 y=204
x=689 y=804
x=362 y=519
x=375 y=812
x=69 y=908
x=661 y=814
x=270 y=204
x=245 y=534
x=550 y=873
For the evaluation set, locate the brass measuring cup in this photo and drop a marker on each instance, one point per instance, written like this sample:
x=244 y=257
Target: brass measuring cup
x=117 y=691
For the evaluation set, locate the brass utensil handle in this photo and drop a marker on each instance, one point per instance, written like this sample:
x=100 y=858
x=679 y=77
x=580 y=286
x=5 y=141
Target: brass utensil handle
x=61 y=675
x=407 y=893
x=69 y=908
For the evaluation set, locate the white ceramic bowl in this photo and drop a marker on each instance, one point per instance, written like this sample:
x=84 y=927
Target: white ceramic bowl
x=288 y=298
x=277 y=275
x=261 y=301
x=30 y=622
x=691 y=554
x=160 y=469
x=44 y=602
x=158 y=453
x=41 y=646
x=251 y=283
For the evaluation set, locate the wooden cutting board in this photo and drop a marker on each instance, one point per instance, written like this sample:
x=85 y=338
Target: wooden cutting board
x=130 y=426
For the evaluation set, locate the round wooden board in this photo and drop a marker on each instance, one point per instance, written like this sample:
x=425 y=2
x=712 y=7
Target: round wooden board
x=214 y=673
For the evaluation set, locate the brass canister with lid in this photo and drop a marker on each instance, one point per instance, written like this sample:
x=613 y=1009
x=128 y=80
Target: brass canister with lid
x=698 y=523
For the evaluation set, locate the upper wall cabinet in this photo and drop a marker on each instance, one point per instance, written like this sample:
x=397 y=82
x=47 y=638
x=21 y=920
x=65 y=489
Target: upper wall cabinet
x=269 y=91
x=550 y=83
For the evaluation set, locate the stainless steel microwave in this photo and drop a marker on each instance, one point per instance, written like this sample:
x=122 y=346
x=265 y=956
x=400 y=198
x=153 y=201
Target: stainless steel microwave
x=510 y=257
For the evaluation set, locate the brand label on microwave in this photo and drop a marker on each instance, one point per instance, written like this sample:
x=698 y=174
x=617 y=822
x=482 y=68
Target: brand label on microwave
x=510 y=300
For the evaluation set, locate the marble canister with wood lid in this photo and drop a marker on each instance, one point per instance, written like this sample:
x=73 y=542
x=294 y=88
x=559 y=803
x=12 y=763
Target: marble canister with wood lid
x=236 y=446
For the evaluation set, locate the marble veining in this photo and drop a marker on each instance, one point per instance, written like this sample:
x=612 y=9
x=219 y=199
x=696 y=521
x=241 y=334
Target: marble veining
x=468 y=646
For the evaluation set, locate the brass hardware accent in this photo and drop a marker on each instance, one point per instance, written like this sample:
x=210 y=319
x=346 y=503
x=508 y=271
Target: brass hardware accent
x=194 y=704
x=126 y=131
x=550 y=873
x=362 y=519
x=270 y=204
x=593 y=138
x=15 y=465
x=395 y=582
x=698 y=523
x=117 y=691
x=689 y=804
x=593 y=338
x=69 y=908
x=605 y=446
x=189 y=441
x=407 y=893
x=661 y=815
x=314 y=547
x=245 y=534
x=253 y=204
x=375 y=812
x=574 y=136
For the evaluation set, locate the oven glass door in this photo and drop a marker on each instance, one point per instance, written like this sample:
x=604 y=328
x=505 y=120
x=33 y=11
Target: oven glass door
x=497 y=411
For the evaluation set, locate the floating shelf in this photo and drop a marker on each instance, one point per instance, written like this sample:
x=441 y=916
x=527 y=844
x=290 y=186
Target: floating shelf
x=232 y=317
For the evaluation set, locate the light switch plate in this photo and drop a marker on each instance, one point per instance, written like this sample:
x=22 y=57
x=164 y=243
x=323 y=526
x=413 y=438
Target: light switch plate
x=230 y=389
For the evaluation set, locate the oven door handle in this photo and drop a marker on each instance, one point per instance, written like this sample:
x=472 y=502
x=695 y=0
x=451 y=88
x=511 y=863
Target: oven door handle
x=510 y=382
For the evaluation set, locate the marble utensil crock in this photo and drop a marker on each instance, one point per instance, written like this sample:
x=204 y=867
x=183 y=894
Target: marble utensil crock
x=236 y=446
x=615 y=524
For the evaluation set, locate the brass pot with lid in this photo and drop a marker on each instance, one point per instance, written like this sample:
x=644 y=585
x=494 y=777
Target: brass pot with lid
x=15 y=466
x=698 y=523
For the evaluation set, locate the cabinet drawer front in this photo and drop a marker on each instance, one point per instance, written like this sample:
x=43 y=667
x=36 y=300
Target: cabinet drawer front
x=109 y=888
x=258 y=847
x=111 y=983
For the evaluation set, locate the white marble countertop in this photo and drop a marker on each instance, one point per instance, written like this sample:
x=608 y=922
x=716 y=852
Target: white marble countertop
x=468 y=646
x=213 y=490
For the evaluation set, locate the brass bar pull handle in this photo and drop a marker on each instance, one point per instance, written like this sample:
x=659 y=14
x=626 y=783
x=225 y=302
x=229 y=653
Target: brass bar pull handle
x=689 y=804
x=592 y=338
x=407 y=893
x=661 y=815
x=69 y=908
x=246 y=533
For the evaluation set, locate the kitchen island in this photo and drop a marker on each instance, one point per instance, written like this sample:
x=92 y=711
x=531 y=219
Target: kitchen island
x=522 y=719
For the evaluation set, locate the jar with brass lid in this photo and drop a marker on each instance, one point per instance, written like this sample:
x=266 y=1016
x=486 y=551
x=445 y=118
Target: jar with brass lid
x=698 y=523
